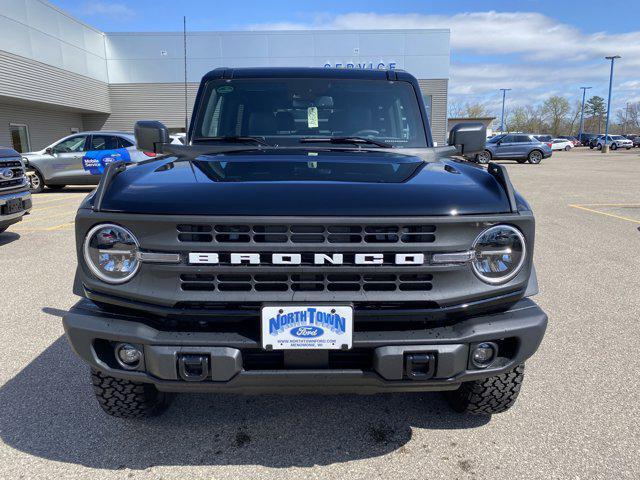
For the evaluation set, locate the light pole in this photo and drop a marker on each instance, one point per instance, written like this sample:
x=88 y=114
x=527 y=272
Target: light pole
x=584 y=93
x=504 y=94
x=605 y=147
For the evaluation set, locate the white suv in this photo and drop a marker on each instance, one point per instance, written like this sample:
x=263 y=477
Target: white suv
x=615 y=142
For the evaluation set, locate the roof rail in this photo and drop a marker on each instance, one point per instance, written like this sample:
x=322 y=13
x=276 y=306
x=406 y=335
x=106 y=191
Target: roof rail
x=500 y=173
x=110 y=173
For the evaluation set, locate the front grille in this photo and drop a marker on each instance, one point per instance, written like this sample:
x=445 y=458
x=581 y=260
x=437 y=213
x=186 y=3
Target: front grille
x=307 y=282
x=306 y=234
x=18 y=174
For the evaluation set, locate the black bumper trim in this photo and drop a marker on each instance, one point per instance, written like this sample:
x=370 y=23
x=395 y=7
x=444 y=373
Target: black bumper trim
x=525 y=322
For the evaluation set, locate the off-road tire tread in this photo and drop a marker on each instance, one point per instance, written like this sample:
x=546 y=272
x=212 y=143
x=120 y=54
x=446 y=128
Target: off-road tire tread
x=491 y=395
x=123 y=398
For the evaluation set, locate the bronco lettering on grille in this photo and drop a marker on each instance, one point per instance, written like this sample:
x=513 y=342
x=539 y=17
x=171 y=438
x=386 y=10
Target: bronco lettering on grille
x=211 y=258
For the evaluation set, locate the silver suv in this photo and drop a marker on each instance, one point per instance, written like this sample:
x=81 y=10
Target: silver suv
x=80 y=159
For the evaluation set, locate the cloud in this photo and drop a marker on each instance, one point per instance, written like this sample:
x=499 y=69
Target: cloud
x=529 y=52
x=111 y=9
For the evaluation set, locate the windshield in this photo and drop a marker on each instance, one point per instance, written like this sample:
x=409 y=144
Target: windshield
x=283 y=111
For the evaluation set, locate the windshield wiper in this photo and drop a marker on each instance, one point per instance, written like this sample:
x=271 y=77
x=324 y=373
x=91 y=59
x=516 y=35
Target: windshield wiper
x=353 y=140
x=233 y=139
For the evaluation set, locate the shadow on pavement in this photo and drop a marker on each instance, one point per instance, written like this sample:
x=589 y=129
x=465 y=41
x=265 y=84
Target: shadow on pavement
x=48 y=410
x=8 y=237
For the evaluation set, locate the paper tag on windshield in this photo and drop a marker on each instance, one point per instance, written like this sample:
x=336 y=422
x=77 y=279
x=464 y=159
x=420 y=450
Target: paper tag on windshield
x=312 y=117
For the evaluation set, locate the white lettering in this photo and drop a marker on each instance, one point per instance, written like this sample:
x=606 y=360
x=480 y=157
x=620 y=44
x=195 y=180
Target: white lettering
x=200 y=258
x=239 y=258
x=286 y=259
x=334 y=259
x=369 y=258
x=409 y=258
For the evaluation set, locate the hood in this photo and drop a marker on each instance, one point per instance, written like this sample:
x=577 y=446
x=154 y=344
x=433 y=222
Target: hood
x=306 y=183
x=6 y=152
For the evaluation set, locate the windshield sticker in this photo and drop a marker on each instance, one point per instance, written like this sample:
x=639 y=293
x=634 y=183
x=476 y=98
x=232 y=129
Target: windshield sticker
x=312 y=117
x=224 y=89
x=96 y=161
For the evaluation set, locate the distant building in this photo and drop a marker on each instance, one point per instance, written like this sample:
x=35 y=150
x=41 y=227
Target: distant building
x=59 y=75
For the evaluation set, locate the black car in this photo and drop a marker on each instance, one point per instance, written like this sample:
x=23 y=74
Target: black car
x=308 y=237
x=15 y=198
x=585 y=138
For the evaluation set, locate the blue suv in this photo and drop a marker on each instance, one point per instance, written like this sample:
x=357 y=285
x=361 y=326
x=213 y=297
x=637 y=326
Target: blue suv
x=520 y=147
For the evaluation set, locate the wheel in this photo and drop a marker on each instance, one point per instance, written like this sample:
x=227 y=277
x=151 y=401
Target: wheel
x=567 y=148
x=491 y=395
x=126 y=399
x=36 y=182
x=628 y=148
x=521 y=160
x=590 y=147
x=599 y=146
x=535 y=157
x=483 y=157
x=55 y=187
x=614 y=146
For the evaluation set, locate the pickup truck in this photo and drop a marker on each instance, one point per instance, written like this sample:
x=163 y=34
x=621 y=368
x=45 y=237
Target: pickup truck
x=15 y=199
x=307 y=237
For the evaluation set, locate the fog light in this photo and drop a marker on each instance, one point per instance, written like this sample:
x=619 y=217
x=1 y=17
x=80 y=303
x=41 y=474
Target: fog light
x=484 y=354
x=128 y=356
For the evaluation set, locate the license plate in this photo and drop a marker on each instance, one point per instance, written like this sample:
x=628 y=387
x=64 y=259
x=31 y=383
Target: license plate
x=308 y=327
x=14 y=206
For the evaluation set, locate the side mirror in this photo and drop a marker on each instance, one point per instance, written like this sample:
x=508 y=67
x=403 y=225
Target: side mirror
x=150 y=135
x=469 y=138
x=49 y=151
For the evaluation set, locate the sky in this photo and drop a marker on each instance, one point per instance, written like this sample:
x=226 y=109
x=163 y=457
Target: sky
x=537 y=48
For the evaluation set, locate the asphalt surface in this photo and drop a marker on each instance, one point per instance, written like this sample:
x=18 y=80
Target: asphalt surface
x=576 y=418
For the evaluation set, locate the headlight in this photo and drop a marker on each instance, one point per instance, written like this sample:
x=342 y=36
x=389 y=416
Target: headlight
x=111 y=252
x=500 y=252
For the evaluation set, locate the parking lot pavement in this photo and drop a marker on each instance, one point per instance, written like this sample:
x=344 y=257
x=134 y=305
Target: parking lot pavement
x=577 y=416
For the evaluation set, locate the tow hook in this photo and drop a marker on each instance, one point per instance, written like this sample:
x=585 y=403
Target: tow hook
x=419 y=366
x=193 y=368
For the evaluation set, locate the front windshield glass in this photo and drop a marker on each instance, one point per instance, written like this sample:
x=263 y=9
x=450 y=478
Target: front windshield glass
x=284 y=110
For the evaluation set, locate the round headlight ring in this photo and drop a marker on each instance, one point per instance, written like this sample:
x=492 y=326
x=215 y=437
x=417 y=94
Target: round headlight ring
x=94 y=268
x=515 y=270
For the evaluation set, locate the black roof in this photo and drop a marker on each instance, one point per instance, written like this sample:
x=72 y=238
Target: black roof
x=308 y=72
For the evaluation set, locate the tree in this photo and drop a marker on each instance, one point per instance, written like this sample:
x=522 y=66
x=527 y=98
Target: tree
x=468 y=110
x=595 y=109
x=555 y=110
x=526 y=119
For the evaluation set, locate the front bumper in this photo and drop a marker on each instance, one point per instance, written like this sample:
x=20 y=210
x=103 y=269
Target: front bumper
x=9 y=219
x=519 y=331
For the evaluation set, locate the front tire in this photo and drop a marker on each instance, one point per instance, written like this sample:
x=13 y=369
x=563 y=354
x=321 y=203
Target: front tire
x=614 y=146
x=36 y=182
x=534 y=157
x=567 y=148
x=483 y=157
x=127 y=399
x=491 y=395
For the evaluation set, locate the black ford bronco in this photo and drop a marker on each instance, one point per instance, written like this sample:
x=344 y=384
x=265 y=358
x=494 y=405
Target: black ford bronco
x=307 y=238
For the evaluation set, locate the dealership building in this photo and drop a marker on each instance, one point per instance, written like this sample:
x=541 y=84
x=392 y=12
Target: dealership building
x=59 y=75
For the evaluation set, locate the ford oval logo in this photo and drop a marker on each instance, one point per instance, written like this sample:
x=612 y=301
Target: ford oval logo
x=307 y=332
x=6 y=174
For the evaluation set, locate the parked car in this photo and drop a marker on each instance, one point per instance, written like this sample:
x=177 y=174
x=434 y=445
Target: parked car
x=520 y=147
x=571 y=138
x=634 y=138
x=615 y=142
x=585 y=138
x=593 y=142
x=80 y=159
x=561 y=144
x=15 y=199
x=544 y=138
